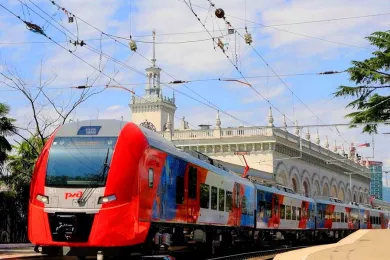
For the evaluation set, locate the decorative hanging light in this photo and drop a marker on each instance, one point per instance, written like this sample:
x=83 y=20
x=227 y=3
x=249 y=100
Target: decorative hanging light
x=133 y=45
x=220 y=13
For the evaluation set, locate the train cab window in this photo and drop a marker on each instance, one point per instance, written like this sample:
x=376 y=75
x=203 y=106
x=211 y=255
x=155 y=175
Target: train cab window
x=288 y=212
x=179 y=190
x=204 y=196
x=282 y=212
x=228 y=201
x=294 y=213
x=192 y=181
x=151 y=177
x=299 y=213
x=342 y=217
x=214 y=198
x=221 y=199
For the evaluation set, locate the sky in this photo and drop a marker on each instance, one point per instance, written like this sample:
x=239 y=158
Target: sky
x=285 y=41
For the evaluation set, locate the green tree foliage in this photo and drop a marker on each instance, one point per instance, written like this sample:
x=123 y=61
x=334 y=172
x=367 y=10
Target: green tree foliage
x=21 y=164
x=371 y=93
x=6 y=128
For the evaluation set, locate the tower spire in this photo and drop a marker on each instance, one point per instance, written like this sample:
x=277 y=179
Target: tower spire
x=154 y=48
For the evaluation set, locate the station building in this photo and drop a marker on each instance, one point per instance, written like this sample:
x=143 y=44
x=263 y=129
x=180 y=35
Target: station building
x=287 y=156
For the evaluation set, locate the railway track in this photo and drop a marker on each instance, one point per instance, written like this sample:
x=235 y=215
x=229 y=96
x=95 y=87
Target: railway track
x=264 y=254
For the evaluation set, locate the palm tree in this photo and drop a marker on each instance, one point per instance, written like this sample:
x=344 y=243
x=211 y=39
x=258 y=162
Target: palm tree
x=6 y=128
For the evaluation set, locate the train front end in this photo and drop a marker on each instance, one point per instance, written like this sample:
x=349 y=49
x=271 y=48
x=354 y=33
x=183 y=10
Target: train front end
x=84 y=190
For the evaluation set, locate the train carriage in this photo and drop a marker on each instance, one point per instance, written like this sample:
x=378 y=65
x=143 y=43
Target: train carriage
x=333 y=214
x=108 y=184
x=279 y=208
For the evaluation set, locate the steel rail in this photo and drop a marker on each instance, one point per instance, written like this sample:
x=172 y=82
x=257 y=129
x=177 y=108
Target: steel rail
x=255 y=254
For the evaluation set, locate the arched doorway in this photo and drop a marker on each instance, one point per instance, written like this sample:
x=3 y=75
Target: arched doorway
x=316 y=189
x=281 y=178
x=305 y=189
x=361 y=199
x=325 y=190
x=341 y=195
x=294 y=184
x=333 y=192
x=354 y=197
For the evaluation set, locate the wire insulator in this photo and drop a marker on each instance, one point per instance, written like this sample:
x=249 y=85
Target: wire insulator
x=133 y=45
x=248 y=38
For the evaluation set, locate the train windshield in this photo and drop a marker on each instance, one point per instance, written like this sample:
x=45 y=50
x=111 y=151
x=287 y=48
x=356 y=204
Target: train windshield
x=79 y=161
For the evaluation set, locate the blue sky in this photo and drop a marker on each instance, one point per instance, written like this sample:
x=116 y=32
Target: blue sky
x=285 y=52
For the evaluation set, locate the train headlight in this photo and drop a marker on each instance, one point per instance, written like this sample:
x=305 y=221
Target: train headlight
x=106 y=199
x=43 y=199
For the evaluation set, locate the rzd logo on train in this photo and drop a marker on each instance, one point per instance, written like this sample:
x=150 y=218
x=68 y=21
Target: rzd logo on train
x=73 y=195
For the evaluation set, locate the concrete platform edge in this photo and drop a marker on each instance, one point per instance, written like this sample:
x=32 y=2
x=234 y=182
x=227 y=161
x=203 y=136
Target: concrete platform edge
x=303 y=254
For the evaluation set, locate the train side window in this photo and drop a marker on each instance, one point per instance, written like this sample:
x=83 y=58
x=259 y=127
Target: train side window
x=179 y=190
x=312 y=215
x=371 y=222
x=338 y=217
x=151 y=177
x=243 y=206
x=320 y=216
x=294 y=213
x=192 y=181
x=282 y=211
x=214 y=198
x=288 y=212
x=228 y=201
x=221 y=199
x=342 y=218
x=204 y=196
x=298 y=213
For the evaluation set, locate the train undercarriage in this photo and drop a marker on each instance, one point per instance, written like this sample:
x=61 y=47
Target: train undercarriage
x=214 y=241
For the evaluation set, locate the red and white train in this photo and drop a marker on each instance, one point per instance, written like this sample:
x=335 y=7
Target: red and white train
x=112 y=186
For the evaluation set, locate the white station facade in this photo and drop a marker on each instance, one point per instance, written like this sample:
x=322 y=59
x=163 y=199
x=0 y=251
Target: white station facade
x=282 y=155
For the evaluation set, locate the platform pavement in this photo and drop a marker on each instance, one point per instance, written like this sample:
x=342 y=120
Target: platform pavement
x=12 y=251
x=19 y=245
x=361 y=245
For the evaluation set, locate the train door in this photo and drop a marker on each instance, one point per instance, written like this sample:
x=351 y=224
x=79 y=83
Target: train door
x=192 y=195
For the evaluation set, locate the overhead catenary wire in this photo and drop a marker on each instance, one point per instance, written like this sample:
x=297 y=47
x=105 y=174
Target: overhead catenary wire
x=96 y=51
x=72 y=53
x=281 y=80
x=211 y=105
x=287 y=31
x=235 y=66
